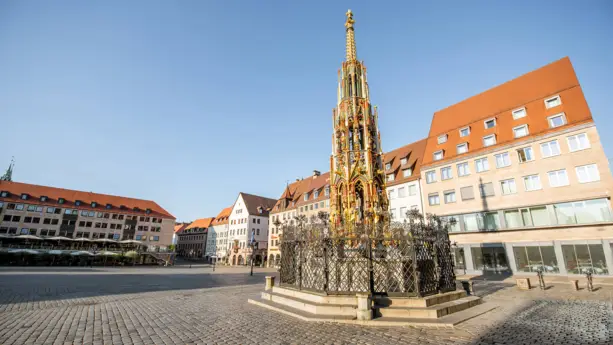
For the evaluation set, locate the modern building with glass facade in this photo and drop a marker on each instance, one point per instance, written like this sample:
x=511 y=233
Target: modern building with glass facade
x=521 y=170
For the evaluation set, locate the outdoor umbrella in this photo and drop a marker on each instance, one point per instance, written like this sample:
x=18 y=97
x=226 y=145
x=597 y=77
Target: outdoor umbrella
x=82 y=239
x=131 y=241
x=24 y=251
x=105 y=240
x=105 y=253
x=29 y=237
x=55 y=252
x=58 y=238
x=81 y=252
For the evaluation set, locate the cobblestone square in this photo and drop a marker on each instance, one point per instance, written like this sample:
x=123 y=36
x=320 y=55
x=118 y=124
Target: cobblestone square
x=196 y=306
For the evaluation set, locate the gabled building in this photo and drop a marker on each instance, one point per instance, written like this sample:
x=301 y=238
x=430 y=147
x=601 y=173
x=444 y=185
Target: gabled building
x=178 y=228
x=217 y=244
x=303 y=199
x=192 y=240
x=403 y=180
x=49 y=211
x=248 y=220
x=522 y=171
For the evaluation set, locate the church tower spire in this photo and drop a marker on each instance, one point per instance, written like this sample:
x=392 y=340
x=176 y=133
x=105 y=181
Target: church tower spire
x=357 y=193
x=8 y=176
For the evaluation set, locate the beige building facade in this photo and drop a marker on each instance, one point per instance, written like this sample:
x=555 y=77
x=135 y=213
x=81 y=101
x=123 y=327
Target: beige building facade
x=539 y=200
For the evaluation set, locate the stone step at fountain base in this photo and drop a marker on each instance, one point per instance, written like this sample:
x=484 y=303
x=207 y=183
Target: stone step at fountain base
x=442 y=310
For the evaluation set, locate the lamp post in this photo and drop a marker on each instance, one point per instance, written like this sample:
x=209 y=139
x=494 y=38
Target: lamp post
x=253 y=244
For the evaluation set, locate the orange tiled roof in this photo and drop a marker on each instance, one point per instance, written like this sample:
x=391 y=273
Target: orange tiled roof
x=223 y=216
x=529 y=91
x=180 y=227
x=413 y=153
x=35 y=192
x=200 y=223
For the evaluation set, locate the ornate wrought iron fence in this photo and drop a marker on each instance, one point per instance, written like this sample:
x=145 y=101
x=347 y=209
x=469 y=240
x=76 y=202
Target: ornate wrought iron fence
x=407 y=259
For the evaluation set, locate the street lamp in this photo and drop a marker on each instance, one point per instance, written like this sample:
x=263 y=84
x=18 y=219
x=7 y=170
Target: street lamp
x=253 y=244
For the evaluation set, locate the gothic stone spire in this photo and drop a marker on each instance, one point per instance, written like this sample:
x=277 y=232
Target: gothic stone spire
x=352 y=54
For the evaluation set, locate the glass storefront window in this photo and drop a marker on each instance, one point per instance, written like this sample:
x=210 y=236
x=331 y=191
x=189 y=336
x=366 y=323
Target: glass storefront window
x=533 y=258
x=490 y=259
x=583 y=212
x=470 y=222
x=583 y=258
x=458 y=258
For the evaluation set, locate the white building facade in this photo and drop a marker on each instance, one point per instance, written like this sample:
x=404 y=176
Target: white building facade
x=248 y=218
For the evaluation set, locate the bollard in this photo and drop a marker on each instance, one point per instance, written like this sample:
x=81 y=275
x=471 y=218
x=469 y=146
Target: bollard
x=574 y=285
x=364 y=311
x=270 y=283
x=539 y=274
x=590 y=285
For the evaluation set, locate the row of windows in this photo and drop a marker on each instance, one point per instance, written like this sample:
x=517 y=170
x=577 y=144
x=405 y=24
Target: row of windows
x=405 y=173
x=579 y=212
x=244 y=220
x=316 y=194
x=402 y=192
x=192 y=237
x=403 y=161
x=57 y=210
x=557 y=178
x=518 y=132
x=403 y=213
x=525 y=154
x=24 y=196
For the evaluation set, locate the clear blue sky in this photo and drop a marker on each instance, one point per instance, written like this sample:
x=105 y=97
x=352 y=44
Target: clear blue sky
x=190 y=102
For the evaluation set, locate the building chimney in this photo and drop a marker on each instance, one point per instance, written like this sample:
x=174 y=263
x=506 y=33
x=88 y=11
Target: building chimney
x=316 y=173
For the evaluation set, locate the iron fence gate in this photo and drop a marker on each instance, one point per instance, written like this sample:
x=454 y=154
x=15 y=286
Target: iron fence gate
x=404 y=259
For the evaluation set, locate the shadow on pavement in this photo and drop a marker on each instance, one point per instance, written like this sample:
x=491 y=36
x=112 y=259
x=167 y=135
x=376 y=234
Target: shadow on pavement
x=33 y=287
x=554 y=322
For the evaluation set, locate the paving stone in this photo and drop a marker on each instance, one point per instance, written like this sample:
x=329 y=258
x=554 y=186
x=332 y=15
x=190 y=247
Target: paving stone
x=174 y=306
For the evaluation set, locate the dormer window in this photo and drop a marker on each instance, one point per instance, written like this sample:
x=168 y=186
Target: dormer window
x=489 y=140
x=136 y=209
x=553 y=102
x=123 y=207
x=438 y=155
x=77 y=203
x=306 y=196
x=4 y=194
x=407 y=172
x=491 y=123
x=327 y=191
x=148 y=211
x=61 y=200
x=24 y=196
x=316 y=194
x=464 y=132
x=109 y=206
x=390 y=177
x=94 y=204
x=388 y=166
x=519 y=113
x=43 y=198
x=442 y=139
x=403 y=161
x=462 y=148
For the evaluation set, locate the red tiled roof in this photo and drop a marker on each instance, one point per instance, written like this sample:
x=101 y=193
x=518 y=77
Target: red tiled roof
x=413 y=153
x=180 y=227
x=223 y=216
x=529 y=91
x=200 y=223
x=53 y=194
